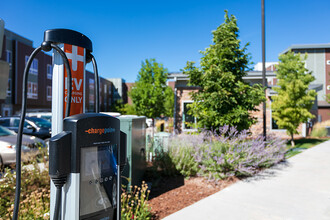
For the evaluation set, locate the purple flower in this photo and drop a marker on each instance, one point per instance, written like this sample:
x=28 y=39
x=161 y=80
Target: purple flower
x=226 y=153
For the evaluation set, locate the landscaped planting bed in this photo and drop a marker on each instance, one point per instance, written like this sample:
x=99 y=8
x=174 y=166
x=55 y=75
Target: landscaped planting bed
x=196 y=166
x=226 y=153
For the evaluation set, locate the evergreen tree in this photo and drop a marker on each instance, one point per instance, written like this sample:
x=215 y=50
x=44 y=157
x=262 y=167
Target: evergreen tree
x=150 y=95
x=292 y=105
x=224 y=98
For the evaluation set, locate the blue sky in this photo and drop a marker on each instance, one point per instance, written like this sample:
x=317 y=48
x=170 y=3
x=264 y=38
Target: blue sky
x=124 y=33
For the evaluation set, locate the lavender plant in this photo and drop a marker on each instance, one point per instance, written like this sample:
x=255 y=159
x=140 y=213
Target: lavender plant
x=218 y=155
x=182 y=153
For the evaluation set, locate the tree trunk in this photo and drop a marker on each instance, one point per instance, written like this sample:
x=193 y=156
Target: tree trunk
x=292 y=141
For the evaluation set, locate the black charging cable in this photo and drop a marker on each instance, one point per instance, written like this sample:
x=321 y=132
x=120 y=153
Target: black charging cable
x=59 y=165
x=20 y=133
x=59 y=183
x=46 y=46
x=97 y=83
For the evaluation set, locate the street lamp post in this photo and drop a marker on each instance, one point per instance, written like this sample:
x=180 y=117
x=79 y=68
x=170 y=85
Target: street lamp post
x=263 y=64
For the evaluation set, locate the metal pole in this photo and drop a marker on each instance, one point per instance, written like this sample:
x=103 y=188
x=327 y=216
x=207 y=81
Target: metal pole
x=174 y=115
x=263 y=64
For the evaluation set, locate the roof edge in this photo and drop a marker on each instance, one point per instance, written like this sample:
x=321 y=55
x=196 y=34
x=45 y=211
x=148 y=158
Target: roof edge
x=306 y=46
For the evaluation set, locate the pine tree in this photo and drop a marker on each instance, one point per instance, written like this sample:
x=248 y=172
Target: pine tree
x=292 y=105
x=224 y=98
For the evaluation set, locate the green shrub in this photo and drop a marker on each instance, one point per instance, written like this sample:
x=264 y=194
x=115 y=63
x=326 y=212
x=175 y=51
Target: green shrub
x=35 y=194
x=231 y=153
x=134 y=203
x=183 y=159
x=217 y=161
x=319 y=129
x=319 y=132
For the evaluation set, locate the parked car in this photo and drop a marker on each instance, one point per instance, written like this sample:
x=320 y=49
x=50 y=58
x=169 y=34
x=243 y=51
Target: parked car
x=38 y=127
x=44 y=115
x=30 y=146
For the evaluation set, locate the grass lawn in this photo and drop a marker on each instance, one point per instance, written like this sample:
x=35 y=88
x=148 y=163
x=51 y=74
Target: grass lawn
x=302 y=144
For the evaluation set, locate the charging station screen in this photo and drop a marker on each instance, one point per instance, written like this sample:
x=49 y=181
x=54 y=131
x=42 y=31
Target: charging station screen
x=97 y=174
x=96 y=163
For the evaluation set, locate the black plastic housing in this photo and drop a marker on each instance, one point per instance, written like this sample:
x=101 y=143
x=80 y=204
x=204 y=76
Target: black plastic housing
x=68 y=36
x=86 y=130
x=123 y=150
x=60 y=155
x=92 y=132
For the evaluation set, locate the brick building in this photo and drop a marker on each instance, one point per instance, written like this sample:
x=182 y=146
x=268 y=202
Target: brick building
x=126 y=98
x=318 y=61
x=105 y=91
x=16 y=50
x=271 y=126
x=183 y=121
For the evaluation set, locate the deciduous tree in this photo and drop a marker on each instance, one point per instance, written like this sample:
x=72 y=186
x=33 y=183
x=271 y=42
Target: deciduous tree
x=292 y=105
x=150 y=95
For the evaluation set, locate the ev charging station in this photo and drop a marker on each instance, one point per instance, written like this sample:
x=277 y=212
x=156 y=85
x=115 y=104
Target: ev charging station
x=87 y=151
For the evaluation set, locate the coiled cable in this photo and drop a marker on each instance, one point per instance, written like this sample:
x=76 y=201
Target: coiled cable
x=46 y=46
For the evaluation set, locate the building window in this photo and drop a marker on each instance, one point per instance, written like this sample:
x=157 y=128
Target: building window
x=100 y=94
x=49 y=71
x=34 y=65
x=32 y=90
x=91 y=95
x=105 y=97
x=274 y=124
x=9 y=88
x=189 y=121
x=9 y=57
x=49 y=93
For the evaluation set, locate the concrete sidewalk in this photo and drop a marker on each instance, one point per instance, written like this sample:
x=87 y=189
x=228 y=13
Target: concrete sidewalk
x=297 y=189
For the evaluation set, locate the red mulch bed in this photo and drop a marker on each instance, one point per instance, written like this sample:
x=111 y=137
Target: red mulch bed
x=175 y=193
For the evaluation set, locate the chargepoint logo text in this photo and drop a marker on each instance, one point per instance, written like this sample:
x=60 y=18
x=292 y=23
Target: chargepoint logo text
x=100 y=131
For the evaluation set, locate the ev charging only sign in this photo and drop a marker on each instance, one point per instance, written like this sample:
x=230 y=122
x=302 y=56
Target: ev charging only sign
x=76 y=57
